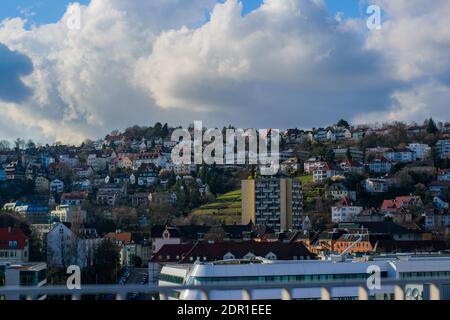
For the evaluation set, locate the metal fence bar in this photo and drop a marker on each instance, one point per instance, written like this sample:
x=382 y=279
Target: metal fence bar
x=435 y=292
x=286 y=289
x=363 y=294
x=399 y=292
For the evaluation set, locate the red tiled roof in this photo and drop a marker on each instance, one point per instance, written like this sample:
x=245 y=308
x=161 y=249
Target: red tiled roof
x=124 y=237
x=73 y=195
x=399 y=202
x=12 y=234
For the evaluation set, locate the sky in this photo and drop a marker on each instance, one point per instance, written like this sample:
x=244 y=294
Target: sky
x=255 y=63
x=39 y=12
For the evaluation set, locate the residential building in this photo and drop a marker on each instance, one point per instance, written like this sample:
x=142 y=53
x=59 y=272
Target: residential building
x=443 y=175
x=338 y=134
x=379 y=164
x=400 y=155
x=129 y=248
x=14 y=246
x=83 y=172
x=328 y=170
x=68 y=213
x=439 y=203
x=439 y=187
x=35 y=213
x=313 y=164
x=219 y=251
x=73 y=198
x=56 y=186
x=164 y=235
x=162 y=198
x=344 y=211
x=15 y=172
x=394 y=205
x=375 y=185
x=353 y=153
x=2 y=174
x=275 y=202
x=291 y=166
x=437 y=221
x=65 y=247
x=352 y=167
x=420 y=151
x=338 y=191
x=70 y=160
x=23 y=275
x=41 y=184
x=140 y=199
x=443 y=148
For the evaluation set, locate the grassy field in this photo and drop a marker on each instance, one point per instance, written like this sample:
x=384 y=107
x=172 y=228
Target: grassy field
x=226 y=208
x=306 y=180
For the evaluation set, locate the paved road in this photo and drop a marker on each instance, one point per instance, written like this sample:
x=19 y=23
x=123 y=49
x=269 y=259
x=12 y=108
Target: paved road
x=137 y=275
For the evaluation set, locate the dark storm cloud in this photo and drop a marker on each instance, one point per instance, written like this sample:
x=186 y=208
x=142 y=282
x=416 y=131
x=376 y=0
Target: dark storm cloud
x=13 y=66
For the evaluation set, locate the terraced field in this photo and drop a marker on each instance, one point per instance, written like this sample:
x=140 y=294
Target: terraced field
x=226 y=208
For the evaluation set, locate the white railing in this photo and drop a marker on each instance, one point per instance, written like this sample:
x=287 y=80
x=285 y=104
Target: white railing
x=120 y=292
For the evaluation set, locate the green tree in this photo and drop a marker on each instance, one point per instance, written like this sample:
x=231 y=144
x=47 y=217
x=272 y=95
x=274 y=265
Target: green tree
x=343 y=124
x=431 y=126
x=106 y=262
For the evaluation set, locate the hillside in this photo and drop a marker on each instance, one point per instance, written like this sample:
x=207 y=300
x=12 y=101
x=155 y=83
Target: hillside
x=225 y=209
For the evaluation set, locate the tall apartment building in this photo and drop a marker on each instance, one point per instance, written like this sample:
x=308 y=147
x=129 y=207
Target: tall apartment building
x=275 y=202
x=443 y=148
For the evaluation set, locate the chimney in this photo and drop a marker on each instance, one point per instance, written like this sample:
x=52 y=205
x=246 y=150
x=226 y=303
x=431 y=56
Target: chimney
x=9 y=229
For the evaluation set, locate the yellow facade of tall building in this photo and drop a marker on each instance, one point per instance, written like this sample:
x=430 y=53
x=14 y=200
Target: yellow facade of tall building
x=273 y=202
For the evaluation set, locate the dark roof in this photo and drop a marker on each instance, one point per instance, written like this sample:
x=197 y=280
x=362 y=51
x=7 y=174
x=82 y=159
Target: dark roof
x=192 y=232
x=388 y=227
x=392 y=246
x=216 y=251
x=330 y=235
x=302 y=236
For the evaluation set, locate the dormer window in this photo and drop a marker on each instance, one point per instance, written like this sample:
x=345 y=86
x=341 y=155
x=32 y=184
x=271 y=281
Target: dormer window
x=166 y=234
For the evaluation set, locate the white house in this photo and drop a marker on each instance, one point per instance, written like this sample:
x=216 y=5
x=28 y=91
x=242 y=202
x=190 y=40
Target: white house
x=65 y=248
x=164 y=235
x=437 y=221
x=68 y=213
x=344 y=211
x=420 y=151
x=338 y=134
x=375 y=185
x=327 y=171
x=443 y=175
x=56 y=186
x=443 y=148
x=439 y=203
x=41 y=184
x=379 y=165
x=400 y=155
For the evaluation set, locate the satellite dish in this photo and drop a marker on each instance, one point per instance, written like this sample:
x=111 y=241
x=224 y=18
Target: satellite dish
x=107 y=179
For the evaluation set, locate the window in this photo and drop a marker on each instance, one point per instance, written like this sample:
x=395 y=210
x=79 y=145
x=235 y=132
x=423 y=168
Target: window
x=229 y=256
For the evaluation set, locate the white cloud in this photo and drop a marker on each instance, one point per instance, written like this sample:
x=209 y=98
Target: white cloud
x=81 y=78
x=287 y=63
x=415 y=45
